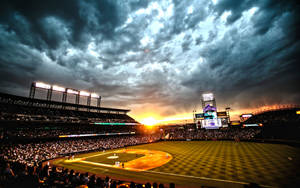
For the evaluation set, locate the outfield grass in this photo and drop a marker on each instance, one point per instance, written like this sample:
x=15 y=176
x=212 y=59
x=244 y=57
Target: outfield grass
x=211 y=163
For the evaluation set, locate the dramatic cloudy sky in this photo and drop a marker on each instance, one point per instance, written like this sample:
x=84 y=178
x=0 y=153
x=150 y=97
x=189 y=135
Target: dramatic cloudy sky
x=155 y=57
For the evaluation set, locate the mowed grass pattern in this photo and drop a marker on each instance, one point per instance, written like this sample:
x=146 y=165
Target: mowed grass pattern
x=267 y=164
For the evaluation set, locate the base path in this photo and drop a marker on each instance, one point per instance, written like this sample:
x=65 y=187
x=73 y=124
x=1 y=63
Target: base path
x=150 y=160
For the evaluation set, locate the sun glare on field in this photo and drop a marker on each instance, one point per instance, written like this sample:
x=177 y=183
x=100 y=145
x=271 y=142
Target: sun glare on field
x=150 y=121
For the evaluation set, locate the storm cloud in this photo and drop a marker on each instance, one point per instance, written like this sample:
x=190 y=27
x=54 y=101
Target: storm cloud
x=143 y=54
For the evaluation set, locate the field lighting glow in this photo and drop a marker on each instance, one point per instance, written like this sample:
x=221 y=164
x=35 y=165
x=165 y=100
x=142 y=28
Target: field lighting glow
x=84 y=93
x=72 y=91
x=94 y=95
x=58 y=88
x=63 y=89
x=42 y=85
x=247 y=115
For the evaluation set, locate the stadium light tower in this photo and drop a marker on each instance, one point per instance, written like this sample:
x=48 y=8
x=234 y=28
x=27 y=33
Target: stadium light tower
x=32 y=91
x=65 y=92
x=58 y=88
x=88 y=95
x=40 y=85
x=228 y=115
x=96 y=96
x=74 y=92
x=194 y=112
x=99 y=101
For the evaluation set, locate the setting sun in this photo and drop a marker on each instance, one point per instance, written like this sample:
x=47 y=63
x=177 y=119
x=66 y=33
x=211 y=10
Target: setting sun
x=149 y=121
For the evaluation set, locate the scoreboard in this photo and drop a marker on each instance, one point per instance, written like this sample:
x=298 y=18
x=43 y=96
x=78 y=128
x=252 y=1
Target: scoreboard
x=199 y=116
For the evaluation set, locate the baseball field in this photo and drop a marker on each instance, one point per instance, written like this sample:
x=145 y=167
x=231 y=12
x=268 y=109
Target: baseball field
x=195 y=163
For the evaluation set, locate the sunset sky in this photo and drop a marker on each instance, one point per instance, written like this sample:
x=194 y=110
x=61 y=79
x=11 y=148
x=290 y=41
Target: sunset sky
x=155 y=57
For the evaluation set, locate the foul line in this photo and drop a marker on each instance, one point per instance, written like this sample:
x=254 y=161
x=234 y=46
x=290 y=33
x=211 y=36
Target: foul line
x=112 y=166
x=164 y=173
x=204 y=178
x=97 y=164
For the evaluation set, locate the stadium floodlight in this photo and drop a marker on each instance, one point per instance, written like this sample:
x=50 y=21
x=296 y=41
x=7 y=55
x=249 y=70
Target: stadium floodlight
x=247 y=115
x=58 y=88
x=42 y=85
x=72 y=91
x=94 y=95
x=84 y=93
x=208 y=96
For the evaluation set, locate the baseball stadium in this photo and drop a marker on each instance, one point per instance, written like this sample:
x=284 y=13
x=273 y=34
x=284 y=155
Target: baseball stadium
x=63 y=144
x=149 y=94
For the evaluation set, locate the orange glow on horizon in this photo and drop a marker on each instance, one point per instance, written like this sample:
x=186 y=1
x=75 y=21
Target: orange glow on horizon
x=180 y=118
x=150 y=121
x=153 y=116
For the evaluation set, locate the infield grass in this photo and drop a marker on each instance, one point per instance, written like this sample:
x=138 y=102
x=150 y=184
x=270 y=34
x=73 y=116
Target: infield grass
x=209 y=163
x=121 y=157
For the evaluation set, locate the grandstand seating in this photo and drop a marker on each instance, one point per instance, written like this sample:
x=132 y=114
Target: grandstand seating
x=278 y=124
x=217 y=134
x=15 y=108
x=280 y=117
x=27 y=124
x=22 y=117
x=26 y=160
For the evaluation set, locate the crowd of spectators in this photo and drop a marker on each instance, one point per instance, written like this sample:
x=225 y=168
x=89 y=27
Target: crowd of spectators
x=22 y=117
x=276 y=117
x=21 y=164
x=20 y=175
x=218 y=134
x=16 y=108
x=280 y=124
x=33 y=153
x=13 y=112
x=56 y=130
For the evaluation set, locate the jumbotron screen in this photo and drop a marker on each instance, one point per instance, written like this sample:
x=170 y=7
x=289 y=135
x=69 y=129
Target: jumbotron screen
x=210 y=115
x=211 y=123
